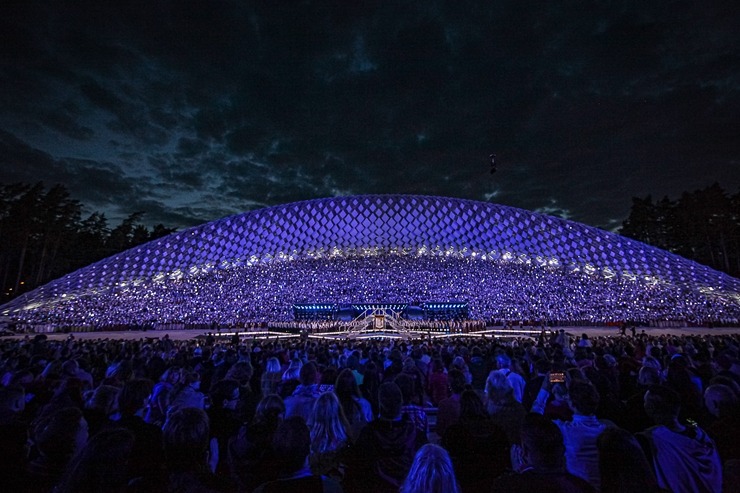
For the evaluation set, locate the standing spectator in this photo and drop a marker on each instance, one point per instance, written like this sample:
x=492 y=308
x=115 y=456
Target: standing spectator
x=539 y=463
x=251 y=458
x=271 y=376
x=474 y=440
x=448 y=410
x=412 y=409
x=292 y=444
x=382 y=456
x=623 y=465
x=516 y=381
x=504 y=410
x=684 y=458
x=100 y=466
x=438 y=387
x=301 y=402
x=356 y=408
x=187 y=448
x=579 y=434
x=56 y=438
x=330 y=436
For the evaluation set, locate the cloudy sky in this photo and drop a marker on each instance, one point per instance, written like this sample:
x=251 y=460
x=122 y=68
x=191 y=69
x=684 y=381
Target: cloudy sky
x=194 y=110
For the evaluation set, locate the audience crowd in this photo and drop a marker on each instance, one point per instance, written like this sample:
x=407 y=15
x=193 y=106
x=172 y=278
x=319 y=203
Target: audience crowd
x=502 y=289
x=558 y=413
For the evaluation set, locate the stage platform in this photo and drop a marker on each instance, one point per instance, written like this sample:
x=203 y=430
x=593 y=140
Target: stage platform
x=498 y=332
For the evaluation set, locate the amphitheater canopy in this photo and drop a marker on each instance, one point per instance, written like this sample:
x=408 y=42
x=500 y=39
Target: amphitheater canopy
x=377 y=225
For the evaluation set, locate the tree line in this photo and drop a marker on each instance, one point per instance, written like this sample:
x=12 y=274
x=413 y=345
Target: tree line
x=703 y=225
x=43 y=235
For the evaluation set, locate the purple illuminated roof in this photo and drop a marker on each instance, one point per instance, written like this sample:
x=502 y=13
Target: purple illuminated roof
x=359 y=226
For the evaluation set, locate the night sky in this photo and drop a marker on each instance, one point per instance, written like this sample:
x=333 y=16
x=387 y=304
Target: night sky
x=194 y=110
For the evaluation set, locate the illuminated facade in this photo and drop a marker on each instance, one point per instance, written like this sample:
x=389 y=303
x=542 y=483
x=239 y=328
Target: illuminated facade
x=345 y=229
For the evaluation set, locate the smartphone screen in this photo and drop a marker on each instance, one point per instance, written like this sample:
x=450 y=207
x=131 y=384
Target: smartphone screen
x=557 y=377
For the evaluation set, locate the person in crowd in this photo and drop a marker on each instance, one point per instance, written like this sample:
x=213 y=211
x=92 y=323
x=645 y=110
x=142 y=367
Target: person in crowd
x=271 y=376
x=683 y=456
x=371 y=379
x=431 y=472
x=539 y=462
x=437 y=385
x=357 y=410
x=223 y=419
x=13 y=437
x=382 y=455
x=330 y=436
x=55 y=439
x=242 y=372
x=623 y=465
x=504 y=410
x=412 y=408
x=186 y=393
x=187 y=451
x=101 y=466
x=161 y=396
x=635 y=418
x=723 y=404
x=579 y=434
x=479 y=369
x=146 y=459
x=292 y=445
x=516 y=381
x=301 y=402
x=251 y=458
x=448 y=410
x=100 y=407
x=474 y=440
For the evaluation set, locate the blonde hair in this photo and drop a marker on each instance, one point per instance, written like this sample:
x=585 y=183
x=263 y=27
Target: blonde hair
x=329 y=428
x=431 y=472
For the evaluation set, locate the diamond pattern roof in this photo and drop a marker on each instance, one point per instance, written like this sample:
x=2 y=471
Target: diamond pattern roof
x=386 y=222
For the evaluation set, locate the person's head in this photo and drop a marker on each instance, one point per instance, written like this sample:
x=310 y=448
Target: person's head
x=583 y=398
x=134 y=395
x=662 y=404
x=408 y=387
x=622 y=463
x=309 y=373
x=648 y=376
x=498 y=387
x=431 y=472
x=346 y=384
x=292 y=444
x=104 y=399
x=503 y=360
x=720 y=400
x=241 y=371
x=272 y=365
x=390 y=400
x=456 y=381
x=101 y=465
x=60 y=435
x=329 y=425
x=542 y=442
x=13 y=399
x=471 y=406
x=270 y=409
x=186 y=438
x=225 y=394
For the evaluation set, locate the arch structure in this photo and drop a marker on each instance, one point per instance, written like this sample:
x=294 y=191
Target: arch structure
x=507 y=263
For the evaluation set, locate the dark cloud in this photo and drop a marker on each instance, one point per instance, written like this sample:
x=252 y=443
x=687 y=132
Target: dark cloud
x=161 y=105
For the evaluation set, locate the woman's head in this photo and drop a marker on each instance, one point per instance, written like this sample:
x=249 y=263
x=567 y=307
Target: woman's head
x=329 y=425
x=431 y=472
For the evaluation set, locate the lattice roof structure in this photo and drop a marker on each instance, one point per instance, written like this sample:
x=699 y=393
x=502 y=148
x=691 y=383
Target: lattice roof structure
x=396 y=224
